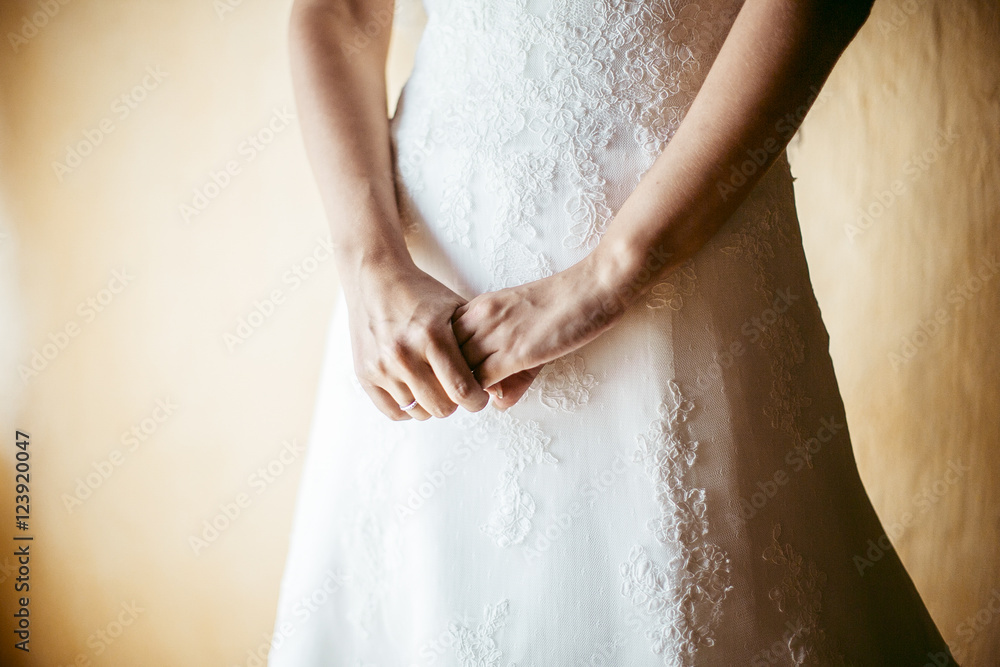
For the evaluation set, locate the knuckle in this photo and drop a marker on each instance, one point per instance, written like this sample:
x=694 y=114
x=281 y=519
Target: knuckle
x=365 y=376
x=398 y=349
x=438 y=337
x=368 y=370
x=463 y=389
x=488 y=307
x=394 y=416
x=522 y=351
x=431 y=335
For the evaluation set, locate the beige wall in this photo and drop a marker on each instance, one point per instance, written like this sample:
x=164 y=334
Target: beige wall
x=161 y=336
x=910 y=133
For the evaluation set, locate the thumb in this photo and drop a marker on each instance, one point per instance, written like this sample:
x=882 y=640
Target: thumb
x=509 y=391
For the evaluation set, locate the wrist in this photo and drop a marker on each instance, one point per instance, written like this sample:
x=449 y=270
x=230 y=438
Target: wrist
x=360 y=267
x=620 y=274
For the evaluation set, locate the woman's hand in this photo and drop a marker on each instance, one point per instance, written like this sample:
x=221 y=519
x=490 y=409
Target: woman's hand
x=400 y=318
x=404 y=347
x=508 y=335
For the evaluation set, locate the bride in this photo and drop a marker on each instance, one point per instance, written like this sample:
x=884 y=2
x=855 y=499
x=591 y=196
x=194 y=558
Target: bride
x=581 y=213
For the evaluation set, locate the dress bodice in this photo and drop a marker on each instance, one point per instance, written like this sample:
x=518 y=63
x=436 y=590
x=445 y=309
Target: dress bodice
x=547 y=113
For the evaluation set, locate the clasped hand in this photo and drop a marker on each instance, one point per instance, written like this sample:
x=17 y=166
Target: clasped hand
x=415 y=339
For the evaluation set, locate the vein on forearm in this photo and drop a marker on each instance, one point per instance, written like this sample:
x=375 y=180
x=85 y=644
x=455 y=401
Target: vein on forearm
x=777 y=54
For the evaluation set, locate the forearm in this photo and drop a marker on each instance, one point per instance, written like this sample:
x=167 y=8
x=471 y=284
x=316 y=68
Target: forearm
x=776 y=56
x=341 y=99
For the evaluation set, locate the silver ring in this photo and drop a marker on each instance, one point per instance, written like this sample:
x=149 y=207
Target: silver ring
x=410 y=406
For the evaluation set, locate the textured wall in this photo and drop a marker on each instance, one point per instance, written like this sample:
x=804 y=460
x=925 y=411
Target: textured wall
x=123 y=554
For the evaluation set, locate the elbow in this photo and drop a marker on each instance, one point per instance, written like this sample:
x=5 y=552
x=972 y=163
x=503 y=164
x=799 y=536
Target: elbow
x=312 y=16
x=347 y=14
x=858 y=11
x=340 y=21
x=841 y=18
x=849 y=15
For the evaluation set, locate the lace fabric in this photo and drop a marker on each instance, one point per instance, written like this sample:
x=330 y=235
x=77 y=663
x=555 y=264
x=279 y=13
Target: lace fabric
x=528 y=104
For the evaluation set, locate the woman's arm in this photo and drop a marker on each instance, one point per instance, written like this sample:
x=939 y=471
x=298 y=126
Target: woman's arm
x=777 y=54
x=401 y=335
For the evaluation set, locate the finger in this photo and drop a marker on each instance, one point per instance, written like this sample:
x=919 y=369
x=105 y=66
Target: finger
x=514 y=387
x=386 y=404
x=431 y=396
x=462 y=329
x=456 y=377
x=492 y=369
x=408 y=377
x=402 y=395
x=475 y=353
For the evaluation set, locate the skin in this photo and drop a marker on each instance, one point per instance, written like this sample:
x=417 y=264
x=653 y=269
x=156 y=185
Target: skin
x=412 y=337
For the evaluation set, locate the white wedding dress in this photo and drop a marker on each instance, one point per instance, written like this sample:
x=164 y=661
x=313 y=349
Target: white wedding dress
x=679 y=491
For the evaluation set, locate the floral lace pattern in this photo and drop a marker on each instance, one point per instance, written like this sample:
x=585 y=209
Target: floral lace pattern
x=781 y=339
x=800 y=598
x=478 y=648
x=564 y=383
x=670 y=292
x=524 y=109
x=684 y=597
x=523 y=443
